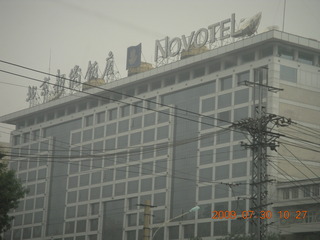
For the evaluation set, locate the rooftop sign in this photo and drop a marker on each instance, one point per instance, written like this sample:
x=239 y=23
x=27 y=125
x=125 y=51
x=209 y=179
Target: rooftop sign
x=218 y=31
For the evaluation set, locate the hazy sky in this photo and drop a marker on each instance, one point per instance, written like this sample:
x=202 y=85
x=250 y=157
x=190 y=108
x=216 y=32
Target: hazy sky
x=76 y=31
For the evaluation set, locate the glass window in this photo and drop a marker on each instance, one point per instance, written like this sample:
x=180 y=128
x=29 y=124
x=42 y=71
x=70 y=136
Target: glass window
x=84 y=180
x=82 y=210
x=159 y=217
x=220 y=228
x=168 y=81
x=125 y=110
x=149 y=119
x=161 y=166
x=83 y=195
x=94 y=224
x=184 y=76
x=100 y=117
x=148 y=135
x=224 y=118
x=155 y=85
x=163 y=116
x=266 y=51
x=223 y=137
x=132 y=219
x=73 y=182
x=146 y=184
x=239 y=169
x=137 y=107
x=132 y=203
x=134 y=171
x=147 y=168
x=288 y=74
x=123 y=126
x=136 y=123
x=306 y=58
x=76 y=138
x=174 y=232
x=142 y=89
x=295 y=192
x=111 y=129
x=161 y=149
x=204 y=211
x=38 y=216
x=87 y=135
x=222 y=154
x=120 y=189
x=238 y=227
x=207 y=140
x=225 y=83
x=99 y=132
x=221 y=191
x=199 y=72
x=204 y=229
x=133 y=187
x=110 y=144
x=122 y=141
x=88 y=121
x=241 y=113
x=214 y=67
x=188 y=231
x=208 y=104
x=159 y=199
x=241 y=96
x=222 y=172
x=81 y=226
x=224 y=100
x=95 y=193
x=206 y=157
x=27 y=218
x=121 y=173
x=134 y=155
x=71 y=212
x=247 y=57
x=205 y=193
x=72 y=197
x=107 y=191
x=205 y=175
x=239 y=152
x=135 y=139
x=113 y=114
x=160 y=182
x=285 y=52
x=285 y=193
x=163 y=132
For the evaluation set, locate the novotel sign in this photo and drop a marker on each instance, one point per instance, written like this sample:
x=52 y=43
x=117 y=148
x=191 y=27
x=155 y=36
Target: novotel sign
x=217 y=31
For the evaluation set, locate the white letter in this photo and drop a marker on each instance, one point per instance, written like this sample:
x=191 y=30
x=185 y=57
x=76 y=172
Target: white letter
x=212 y=29
x=224 y=29
x=164 y=52
x=178 y=41
x=184 y=41
x=197 y=43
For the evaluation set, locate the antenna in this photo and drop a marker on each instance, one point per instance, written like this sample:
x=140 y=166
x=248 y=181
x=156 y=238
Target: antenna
x=49 y=62
x=284 y=14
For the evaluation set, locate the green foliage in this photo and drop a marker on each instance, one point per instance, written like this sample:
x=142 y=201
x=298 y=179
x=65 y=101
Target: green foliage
x=11 y=190
x=196 y=238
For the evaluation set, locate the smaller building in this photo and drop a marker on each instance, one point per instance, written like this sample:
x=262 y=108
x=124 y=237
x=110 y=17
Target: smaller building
x=298 y=209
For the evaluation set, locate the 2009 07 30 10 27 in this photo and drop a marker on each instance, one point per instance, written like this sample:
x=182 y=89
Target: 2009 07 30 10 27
x=300 y=214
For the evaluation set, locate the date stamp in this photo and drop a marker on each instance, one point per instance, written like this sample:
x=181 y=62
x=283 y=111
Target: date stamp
x=262 y=214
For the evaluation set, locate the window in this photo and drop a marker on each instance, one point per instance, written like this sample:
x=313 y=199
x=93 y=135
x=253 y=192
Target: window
x=87 y=135
x=241 y=113
x=184 y=76
x=204 y=229
x=222 y=154
x=295 y=192
x=306 y=58
x=205 y=193
x=266 y=51
x=125 y=111
x=247 y=57
x=208 y=104
x=88 y=120
x=226 y=83
x=222 y=172
x=241 y=96
x=123 y=141
x=224 y=118
x=113 y=114
x=155 y=85
x=169 y=81
x=149 y=119
x=132 y=219
x=146 y=184
x=120 y=189
x=160 y=182
x=223 y=137
x=162 y=132
x=242 y=77
x=239 y=169
x=288 y=74
x=285 y=193
x=136 y=123
x=133 y=187
x=285 y=52
x=214 y=67
x=206 y=157
x=137 y=107
x=135 y=138
x=123 y=126
x=224 y=100
x=199 y=72
x=205 y=175
x=111 y=129
x=148 y=135
x=107 y=191
x=100 y=117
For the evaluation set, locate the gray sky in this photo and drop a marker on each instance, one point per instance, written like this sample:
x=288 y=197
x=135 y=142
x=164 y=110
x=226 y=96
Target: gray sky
x=76 y=31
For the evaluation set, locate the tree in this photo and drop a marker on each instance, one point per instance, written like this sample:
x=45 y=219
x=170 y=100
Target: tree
x=270 y=236
x=11 y=190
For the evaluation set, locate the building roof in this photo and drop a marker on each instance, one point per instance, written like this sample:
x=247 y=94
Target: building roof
x=256 y=40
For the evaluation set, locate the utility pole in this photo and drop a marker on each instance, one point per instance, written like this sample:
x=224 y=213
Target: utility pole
x=260 y=128
x=146 y=224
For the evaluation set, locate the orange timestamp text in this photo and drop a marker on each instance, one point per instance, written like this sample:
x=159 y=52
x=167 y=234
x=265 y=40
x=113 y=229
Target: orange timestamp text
x=261 y=214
